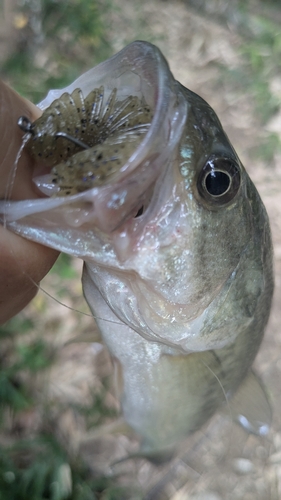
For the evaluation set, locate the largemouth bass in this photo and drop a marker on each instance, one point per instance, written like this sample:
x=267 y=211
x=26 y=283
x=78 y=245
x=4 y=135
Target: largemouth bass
x=175 y=239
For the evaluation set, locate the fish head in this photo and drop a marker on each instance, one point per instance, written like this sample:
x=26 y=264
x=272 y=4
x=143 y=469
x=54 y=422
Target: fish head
x=176 y=240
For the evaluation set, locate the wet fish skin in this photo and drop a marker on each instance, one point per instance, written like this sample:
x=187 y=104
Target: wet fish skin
x=231 y=252
x=175 y=393
x=188 y=284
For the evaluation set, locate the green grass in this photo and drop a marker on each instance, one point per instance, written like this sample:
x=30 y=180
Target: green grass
x=39 y=469
x=260 y=49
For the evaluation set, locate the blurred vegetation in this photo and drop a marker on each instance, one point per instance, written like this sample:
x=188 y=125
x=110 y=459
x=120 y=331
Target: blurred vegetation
x=50 y=43
x=34 y=463
x=53 y=42
x=258 y=25
x=44 y=472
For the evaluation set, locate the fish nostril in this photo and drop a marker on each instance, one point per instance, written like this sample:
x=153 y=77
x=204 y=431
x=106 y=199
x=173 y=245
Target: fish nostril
x=139 y=212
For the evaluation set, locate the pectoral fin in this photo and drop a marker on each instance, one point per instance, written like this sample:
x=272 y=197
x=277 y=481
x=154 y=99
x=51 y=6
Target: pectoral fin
x=250 y=406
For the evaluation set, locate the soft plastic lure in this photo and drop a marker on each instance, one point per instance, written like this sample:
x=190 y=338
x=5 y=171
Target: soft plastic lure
x=86 y=140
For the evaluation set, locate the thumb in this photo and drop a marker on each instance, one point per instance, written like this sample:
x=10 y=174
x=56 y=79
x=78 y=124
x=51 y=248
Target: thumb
x=23 y=263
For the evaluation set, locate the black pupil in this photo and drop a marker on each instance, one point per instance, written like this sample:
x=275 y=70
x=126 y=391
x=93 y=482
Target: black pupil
x=217 y=182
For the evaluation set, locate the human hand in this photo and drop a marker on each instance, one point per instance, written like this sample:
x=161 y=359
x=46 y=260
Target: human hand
x=22 y=263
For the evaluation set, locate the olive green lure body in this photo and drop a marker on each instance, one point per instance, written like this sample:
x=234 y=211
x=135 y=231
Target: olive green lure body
x=87 y=140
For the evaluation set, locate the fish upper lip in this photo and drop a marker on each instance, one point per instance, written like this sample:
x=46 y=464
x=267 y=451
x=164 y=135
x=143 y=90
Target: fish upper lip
x=97 y=207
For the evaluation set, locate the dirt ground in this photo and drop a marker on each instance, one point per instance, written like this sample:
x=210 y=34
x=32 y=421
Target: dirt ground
x=222 y=461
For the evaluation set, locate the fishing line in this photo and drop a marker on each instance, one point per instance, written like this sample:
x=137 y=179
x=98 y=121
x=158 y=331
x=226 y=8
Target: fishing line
x=7 y=197
x=72 y=308
x=12 y=175
x=58 y=301
x=222 y=388
x=226 y=399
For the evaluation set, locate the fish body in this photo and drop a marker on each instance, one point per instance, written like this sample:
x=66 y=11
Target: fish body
x=177 y=251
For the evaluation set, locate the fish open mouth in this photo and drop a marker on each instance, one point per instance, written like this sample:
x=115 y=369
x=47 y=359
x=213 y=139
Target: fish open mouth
x=141 y=117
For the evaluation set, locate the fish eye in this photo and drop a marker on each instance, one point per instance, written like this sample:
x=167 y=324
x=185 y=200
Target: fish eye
x=219 y=180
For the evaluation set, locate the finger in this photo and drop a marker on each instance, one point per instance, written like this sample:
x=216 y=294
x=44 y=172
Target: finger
x=22 y=263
